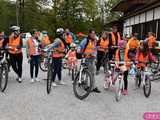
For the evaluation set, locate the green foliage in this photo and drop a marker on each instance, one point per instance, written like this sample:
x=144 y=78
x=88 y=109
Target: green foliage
x=78 y=15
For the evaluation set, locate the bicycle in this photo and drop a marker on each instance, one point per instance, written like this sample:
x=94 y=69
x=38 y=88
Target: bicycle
x=4 y=69
x=71 y=66
x=43 y=62
x=50 y=70
x=114 y=77
x=83 y=81
x=143 y=76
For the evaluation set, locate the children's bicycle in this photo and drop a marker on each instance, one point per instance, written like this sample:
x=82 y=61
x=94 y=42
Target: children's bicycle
x=144 y=77
x=114 y=78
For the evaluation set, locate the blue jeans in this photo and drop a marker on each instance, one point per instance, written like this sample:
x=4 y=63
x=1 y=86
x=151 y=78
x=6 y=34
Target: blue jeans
x=34 y=63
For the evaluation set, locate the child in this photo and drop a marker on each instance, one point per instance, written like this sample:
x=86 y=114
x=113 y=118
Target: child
x=71 y=55
x=143 y=55
x=122 y=56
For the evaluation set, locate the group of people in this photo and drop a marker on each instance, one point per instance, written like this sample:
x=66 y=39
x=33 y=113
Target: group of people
x=110 y=44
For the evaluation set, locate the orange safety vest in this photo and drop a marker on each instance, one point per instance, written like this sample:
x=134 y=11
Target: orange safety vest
x=69 y=39
x=114 y=39
x=31 y=47
x=141 y=58
x=14 y=43
x=151 y=41
x=126 y=59
x=90 y=48
x=103 y=45
x=1 y=43
x=45 y=41
x=58 y=52
x=133 y=44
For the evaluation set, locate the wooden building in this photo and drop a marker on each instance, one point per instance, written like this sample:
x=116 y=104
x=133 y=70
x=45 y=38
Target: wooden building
x=141 y=16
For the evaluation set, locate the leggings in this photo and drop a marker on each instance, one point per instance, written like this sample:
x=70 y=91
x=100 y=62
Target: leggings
x=57 y=68
x=34 y=63
x=16 y=63
x=126 y=80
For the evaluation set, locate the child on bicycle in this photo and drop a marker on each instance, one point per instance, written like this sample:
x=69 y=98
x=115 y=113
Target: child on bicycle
x=71 y=55
x=143 y=55
x=122 y=56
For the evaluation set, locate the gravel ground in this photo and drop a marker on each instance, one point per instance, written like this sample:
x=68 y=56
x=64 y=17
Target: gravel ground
x=28 y=101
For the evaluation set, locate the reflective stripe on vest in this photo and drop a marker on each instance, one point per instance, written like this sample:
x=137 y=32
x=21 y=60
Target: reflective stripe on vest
x=58 y=52
x=14 y=43
x=114 y=42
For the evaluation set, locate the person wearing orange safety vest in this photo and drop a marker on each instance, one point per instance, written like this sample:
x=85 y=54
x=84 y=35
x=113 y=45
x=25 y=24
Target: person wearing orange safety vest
x=33 y=54
x=132 y=46
x=45 y=40
x=68 y=38
x=114 y=38
x=102 y=51
x=88 y=49
x=15 y=50
x=58 y=48
x=152 y=43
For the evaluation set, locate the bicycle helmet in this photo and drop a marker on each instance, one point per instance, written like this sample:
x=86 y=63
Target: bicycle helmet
x=44 y=32
x=60 y=31
x=73 y=45
x=14 y=28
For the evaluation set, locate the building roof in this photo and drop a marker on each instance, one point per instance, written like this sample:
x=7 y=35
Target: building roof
x=133 y=7
x=125 y=5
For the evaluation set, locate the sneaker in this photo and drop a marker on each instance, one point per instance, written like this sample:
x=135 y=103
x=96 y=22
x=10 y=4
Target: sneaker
x=19 y=80
x=54 y=84
x=96 y=90
x=125 y=92
x=32 y=80
x=37 y=80
x=61 y=82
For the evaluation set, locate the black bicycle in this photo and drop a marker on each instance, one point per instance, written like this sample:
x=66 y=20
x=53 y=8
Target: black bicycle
x=83 y=83
x=4 y=65
x=50 y=71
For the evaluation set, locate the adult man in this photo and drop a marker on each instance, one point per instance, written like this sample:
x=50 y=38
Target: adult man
x=88 y=48
x=114 y=38
x=16 y=57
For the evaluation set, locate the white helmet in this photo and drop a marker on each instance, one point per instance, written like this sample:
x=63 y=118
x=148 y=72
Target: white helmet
x=14 y=28
x=60 y=31
x=73 y=45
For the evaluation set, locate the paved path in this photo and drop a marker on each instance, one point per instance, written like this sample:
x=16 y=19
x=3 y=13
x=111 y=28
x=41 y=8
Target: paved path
x=28 y=101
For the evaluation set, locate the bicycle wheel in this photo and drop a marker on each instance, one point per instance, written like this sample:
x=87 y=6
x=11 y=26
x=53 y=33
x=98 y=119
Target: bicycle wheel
x=147 y=87
x=49 y=80
x=73 y=74
x=43 y=65
x=108 y=78
x=82 y=85
x=119 y=87
x=3 y=77
x=138 y=80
